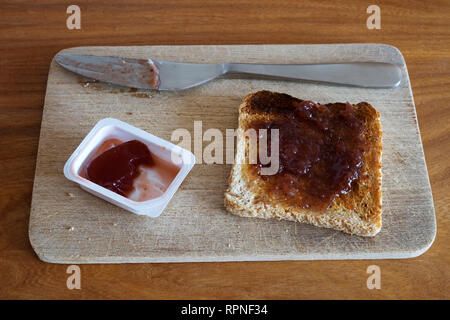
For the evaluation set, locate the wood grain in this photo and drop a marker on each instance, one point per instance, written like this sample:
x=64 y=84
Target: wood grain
x=30 y=35
x=81 y=228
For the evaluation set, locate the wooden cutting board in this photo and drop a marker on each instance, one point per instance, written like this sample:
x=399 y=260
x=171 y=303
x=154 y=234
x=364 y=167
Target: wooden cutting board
x=68 y=225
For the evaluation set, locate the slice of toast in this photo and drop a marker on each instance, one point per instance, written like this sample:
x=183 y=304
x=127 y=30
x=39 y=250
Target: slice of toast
x=356 y=212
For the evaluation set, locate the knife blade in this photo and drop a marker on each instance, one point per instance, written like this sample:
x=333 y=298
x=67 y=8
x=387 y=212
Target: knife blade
x=168 y=75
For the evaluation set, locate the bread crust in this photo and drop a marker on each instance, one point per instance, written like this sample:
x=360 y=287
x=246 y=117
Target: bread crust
x=358 y=212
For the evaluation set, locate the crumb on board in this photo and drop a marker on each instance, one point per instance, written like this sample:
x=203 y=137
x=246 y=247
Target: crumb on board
x=70 y=228
x=70 y=195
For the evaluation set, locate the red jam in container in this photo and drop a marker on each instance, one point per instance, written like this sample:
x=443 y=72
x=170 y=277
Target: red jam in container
x=129 y=167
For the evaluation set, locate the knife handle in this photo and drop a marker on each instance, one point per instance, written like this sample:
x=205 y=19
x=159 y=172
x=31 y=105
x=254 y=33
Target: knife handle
x=361 y=74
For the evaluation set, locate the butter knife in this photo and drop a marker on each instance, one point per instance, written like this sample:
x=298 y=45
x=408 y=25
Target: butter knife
x=167 y=75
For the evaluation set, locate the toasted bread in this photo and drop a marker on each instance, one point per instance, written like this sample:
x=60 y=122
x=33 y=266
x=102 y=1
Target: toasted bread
x=356 y=212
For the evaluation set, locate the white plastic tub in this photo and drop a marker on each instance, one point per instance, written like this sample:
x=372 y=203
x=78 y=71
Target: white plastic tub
x=114 y=129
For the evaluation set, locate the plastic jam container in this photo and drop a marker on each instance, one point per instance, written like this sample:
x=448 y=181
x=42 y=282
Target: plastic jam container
x=114 y=130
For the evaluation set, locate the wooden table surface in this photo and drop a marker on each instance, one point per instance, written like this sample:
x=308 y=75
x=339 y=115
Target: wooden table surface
x=31 y=33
